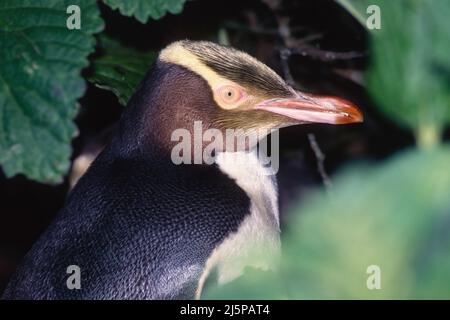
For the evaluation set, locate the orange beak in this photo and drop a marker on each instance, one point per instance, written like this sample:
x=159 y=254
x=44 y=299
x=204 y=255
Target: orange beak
x=308 y=108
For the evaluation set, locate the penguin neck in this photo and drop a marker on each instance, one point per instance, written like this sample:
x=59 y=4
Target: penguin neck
x=257 y=180
x=256 y=243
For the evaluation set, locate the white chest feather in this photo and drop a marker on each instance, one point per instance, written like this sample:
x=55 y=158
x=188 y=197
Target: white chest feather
x=256 y=243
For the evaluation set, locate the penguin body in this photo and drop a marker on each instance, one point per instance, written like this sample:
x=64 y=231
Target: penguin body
x=127 y=248
x=139 y=226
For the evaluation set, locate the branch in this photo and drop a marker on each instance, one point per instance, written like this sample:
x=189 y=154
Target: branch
x=323 y=55
x=284 y=58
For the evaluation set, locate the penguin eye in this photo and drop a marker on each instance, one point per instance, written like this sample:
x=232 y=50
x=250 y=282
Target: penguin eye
x=230 y=95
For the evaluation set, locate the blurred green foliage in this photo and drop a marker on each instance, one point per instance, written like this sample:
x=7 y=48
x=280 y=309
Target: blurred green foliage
x=410 y=71
x=356 y=8
x=395 y=216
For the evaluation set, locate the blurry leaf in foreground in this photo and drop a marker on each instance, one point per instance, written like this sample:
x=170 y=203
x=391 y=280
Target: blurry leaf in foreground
x=120 y=69
x=396 y=217
x=40 y=82
x=357 y=8
x=410 y=70
x=256 y=285
x=143 y=9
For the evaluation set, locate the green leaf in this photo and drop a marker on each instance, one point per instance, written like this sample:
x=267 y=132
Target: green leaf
x=396 y=217
x=409 y=75
x=142 y=10
x=40 y=65
x=255 y=285
x=120 y=69
x=356 y=8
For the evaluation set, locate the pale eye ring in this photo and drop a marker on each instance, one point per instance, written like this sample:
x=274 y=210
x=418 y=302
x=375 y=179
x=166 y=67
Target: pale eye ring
x=230 y=95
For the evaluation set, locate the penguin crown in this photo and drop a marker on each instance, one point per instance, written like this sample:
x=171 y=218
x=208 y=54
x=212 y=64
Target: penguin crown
x=227 y=63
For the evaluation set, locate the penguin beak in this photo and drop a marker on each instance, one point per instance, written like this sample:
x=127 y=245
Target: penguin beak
x=308 y=108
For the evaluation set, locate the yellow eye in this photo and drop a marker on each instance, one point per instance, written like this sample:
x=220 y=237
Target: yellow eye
x=230 y=95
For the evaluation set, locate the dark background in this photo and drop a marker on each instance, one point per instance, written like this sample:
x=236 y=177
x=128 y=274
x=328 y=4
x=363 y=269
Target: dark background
x=27 y=207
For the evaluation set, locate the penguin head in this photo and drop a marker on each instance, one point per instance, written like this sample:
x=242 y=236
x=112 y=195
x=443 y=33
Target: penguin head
x=225 y=88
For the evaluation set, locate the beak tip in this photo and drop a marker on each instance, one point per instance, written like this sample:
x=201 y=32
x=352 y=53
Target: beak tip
x=359 y=117
x=309 y=108
x=356 y=117
x=352 y=113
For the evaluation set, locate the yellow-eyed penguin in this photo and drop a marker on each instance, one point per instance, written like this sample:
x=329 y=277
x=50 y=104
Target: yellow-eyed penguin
x=140 y=225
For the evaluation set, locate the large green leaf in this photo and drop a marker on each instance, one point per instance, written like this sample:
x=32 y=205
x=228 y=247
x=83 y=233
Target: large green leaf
x=145 y=9
x=410 y=71
x=396 y=217
x=120 y=69
x=40 y=64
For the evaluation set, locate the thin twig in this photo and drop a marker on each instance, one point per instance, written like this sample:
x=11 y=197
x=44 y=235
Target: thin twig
x=320 y=158
x=308 y=50
x=285 y=53
x=309 y=38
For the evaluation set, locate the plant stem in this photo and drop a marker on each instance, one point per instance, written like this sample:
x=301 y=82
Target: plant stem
x=428 y=136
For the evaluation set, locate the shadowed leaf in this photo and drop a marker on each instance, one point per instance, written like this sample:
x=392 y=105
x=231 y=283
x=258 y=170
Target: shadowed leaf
x=120 y=69
x=142 y=10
